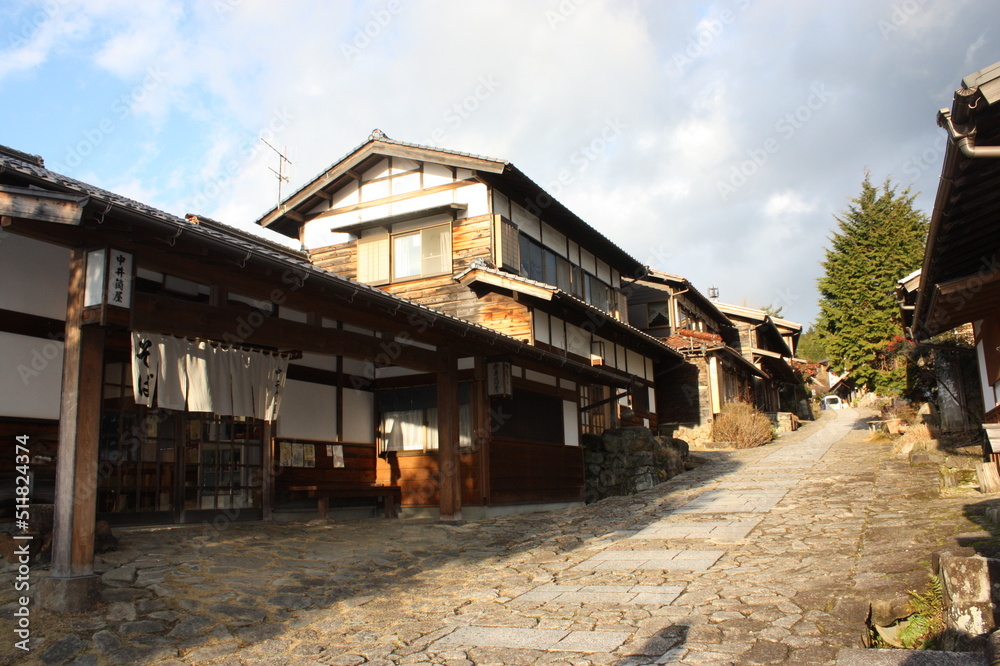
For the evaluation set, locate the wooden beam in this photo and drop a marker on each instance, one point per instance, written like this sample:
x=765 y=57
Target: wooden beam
x=237 y=326
x=394 y=198
x=33 y=326
x=42 y=205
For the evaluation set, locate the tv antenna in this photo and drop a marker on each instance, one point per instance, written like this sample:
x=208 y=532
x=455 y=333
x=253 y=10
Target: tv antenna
x=282 y=161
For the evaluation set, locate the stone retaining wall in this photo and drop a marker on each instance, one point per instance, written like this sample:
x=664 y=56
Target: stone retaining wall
x=624 y=461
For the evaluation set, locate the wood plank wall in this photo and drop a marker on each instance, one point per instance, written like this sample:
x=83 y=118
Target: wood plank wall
x=529 y=472
x=417 y=475
x=471 y=239
x=358 y=469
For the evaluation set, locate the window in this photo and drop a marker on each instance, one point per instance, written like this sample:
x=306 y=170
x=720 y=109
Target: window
x=659 y=314
x=532 y=266
x=598 y=293
x=564 y=274
x=405 y=256
x=594 y=420
x=640 y=400
x=543 y=265
x=409 y=418
x=160 y=465
x=533 y=417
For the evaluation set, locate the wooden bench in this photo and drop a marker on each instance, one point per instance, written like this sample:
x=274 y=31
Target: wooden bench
x=390 y=495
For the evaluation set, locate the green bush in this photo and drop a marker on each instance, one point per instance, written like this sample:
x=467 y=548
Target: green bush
x=743 y=424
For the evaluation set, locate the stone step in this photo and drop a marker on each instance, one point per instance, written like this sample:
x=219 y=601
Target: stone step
x=865 y=657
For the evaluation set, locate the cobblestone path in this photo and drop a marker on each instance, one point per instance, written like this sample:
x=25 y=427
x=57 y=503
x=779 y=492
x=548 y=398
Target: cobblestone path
x=763 y=556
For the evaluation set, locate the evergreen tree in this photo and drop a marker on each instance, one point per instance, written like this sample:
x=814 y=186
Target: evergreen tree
x=880 y=240
x=811 y=346
x=772 y=310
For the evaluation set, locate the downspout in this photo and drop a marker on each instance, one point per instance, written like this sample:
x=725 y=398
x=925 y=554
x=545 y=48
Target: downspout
x=966 y=141
x=961 y=143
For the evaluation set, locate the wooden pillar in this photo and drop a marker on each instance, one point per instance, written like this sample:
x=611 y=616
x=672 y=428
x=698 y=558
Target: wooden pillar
x=449 y=464
x=268 y=471
x=72 y=585
x=483 y=423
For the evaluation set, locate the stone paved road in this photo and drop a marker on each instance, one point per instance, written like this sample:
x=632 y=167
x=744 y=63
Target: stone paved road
x=765 y=556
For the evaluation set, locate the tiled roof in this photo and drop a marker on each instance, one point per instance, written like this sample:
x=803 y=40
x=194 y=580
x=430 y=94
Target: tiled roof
x=480 y=265
x=32 y=170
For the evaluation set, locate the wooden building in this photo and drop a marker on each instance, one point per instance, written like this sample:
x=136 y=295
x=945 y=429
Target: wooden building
x=198 y=373
x=670 y=308
x=959 y=281
x=473 y=237
x=769 y=343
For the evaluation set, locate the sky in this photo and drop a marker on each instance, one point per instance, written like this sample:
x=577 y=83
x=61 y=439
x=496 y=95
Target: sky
x=718 y=141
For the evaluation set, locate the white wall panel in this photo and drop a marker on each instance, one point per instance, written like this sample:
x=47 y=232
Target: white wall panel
x=308 y=411
x=359 y=415
x=379 y=170
x=30 y=377
x=436 y=174
x=526 y=222
x=40 y=272
x=554 y=240
x=571 y=423
x=541 y=326
x=477 y=198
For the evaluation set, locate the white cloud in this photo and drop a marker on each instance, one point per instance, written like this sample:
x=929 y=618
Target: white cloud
x=535 y=83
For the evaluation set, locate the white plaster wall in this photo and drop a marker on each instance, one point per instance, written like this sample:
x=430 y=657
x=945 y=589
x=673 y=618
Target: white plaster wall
x=525 y=221
x=557 y=333
x=577 y=340
x=989 y=393
x=308 y=411
x=541 y=326
x=477 y=197
x=35 y=276
x=318 y=361
x=636 y=363
x=501 y=204
x=359 y=415
x=571 y=423
x=540 y=377
x=554 y=240
x=30 y=377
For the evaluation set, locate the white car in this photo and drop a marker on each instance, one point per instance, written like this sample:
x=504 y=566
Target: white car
x=832 y=402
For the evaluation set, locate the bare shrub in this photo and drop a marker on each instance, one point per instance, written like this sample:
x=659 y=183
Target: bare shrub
x=742 y=424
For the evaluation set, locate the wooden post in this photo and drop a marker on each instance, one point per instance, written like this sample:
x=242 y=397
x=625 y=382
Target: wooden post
x=449 y=464
x=483 y=423
x=72 y=586
x=269 y=472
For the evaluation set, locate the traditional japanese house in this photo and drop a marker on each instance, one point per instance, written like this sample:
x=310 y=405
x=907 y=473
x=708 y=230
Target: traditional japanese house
x=198 y=373
x=670 y=308
x=473 y=237
x=959 y=281
x=769 y=343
